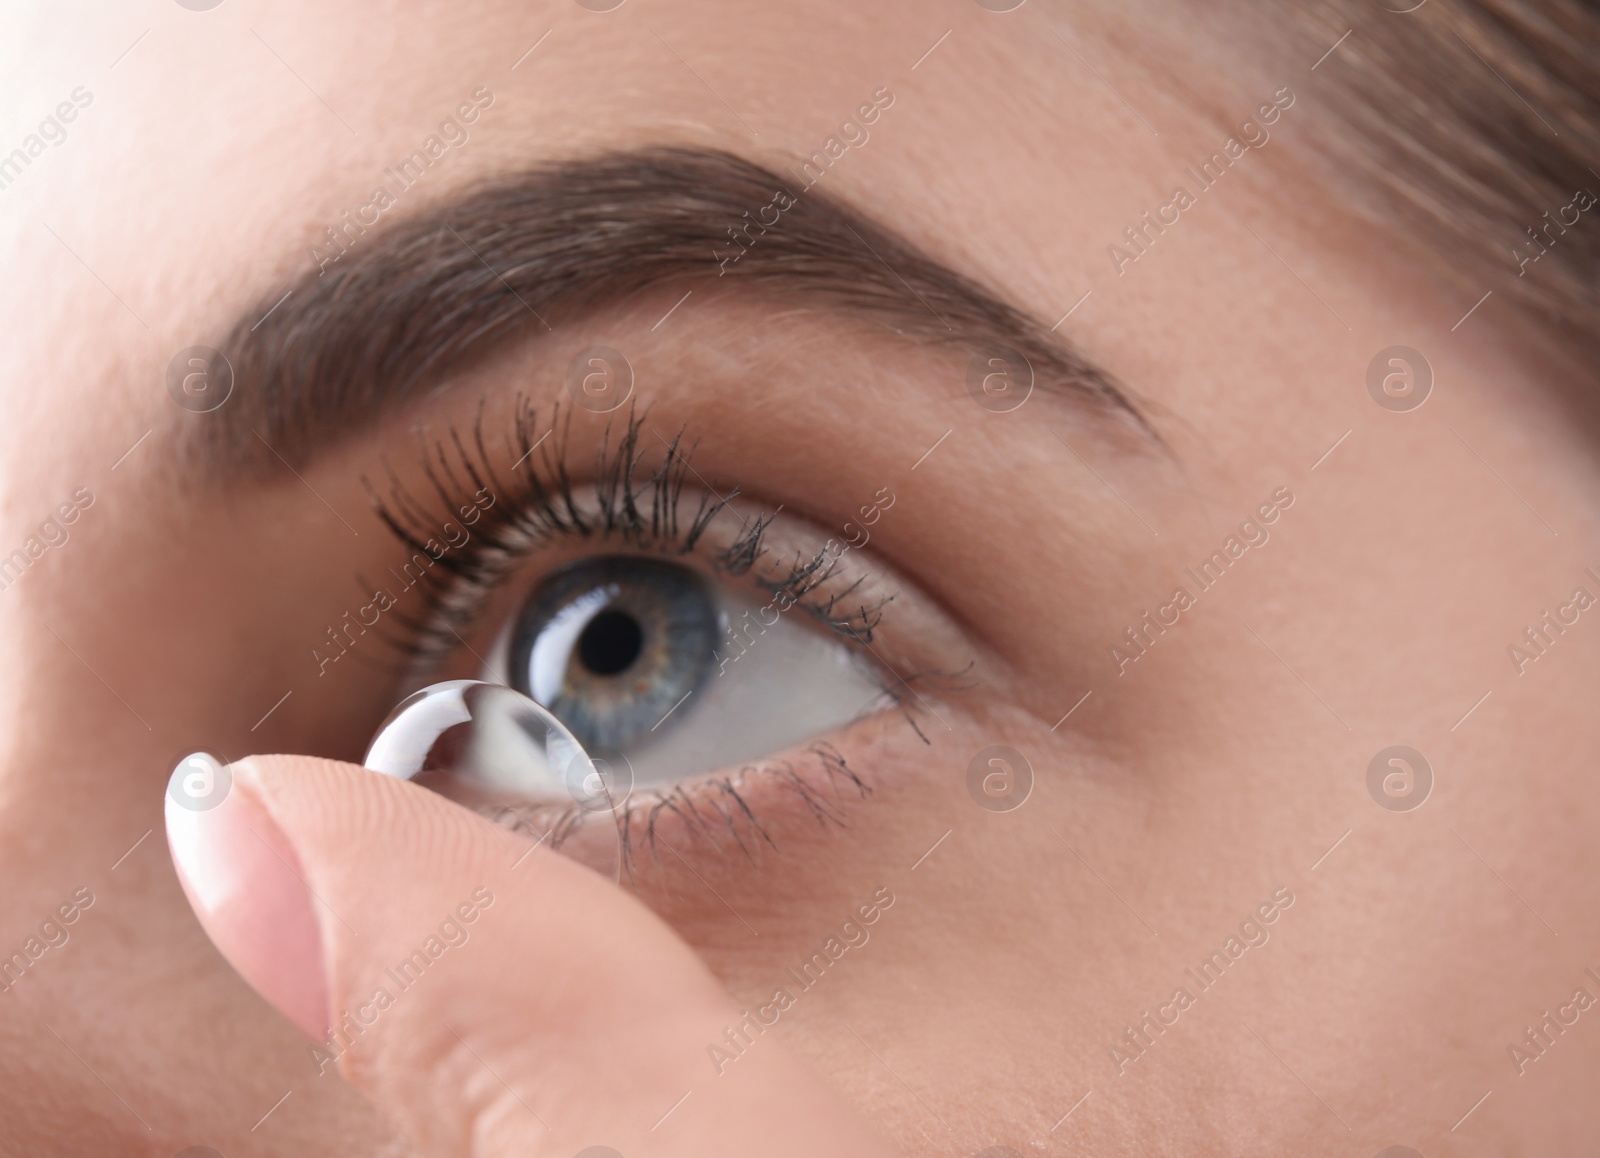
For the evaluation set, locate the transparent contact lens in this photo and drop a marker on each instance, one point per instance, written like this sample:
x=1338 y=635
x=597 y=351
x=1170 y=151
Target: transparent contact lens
x=494 y=750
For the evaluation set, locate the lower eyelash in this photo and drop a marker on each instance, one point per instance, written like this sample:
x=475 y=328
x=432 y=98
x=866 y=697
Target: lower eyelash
x=541 y=506
x=710 y=809
x=644 y=511
x=736 y=819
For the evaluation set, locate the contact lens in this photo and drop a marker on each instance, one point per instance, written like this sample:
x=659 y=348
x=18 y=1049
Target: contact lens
x=491 y=748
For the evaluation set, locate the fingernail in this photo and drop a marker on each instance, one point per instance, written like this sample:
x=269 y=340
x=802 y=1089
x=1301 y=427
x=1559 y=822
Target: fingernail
x=244 y=881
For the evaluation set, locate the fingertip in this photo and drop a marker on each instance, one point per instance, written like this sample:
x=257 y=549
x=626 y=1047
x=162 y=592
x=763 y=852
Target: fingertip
x=245 y=884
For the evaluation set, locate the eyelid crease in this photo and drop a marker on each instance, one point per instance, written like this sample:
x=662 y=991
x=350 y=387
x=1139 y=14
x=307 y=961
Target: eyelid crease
x=624 y=503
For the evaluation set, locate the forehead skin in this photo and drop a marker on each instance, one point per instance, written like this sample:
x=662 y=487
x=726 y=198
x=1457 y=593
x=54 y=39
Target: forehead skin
x=219 y=147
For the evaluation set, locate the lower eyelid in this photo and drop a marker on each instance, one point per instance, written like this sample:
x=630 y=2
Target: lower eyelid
x=726 y=810
x=726 y=813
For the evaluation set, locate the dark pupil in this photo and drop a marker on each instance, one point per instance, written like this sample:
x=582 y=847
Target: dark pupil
x=610 y=642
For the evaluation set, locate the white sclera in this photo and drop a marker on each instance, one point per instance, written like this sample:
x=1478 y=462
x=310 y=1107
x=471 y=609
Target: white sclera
x=488 y=745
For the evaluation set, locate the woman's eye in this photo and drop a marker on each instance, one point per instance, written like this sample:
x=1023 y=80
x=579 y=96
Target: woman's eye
x=652 y=661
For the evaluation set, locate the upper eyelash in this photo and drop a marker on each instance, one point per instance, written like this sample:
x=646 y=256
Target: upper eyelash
x=640 y=510
x=541 y=505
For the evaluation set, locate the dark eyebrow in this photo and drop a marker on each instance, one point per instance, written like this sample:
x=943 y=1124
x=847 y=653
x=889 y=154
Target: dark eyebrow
x=389 y=311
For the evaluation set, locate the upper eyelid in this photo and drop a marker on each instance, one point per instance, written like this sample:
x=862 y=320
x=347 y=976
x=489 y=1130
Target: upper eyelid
x=455 y=599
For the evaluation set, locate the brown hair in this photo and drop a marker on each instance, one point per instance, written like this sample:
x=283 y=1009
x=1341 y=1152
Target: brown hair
x=1474 y=127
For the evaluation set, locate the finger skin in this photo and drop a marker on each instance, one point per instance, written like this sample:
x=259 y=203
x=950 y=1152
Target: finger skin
x=243 y=880
x=496 y=1000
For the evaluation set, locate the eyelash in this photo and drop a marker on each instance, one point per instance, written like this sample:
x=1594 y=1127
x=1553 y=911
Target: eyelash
x=642 y=511
x=542 y=506
x=714 y=805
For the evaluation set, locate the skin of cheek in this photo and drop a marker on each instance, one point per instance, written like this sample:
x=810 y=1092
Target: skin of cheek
x=1131 y=801
x=1192 y=766
x=1207 y=781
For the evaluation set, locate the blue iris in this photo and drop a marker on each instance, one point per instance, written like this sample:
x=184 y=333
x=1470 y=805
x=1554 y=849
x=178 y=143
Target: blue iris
x=613 y=644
